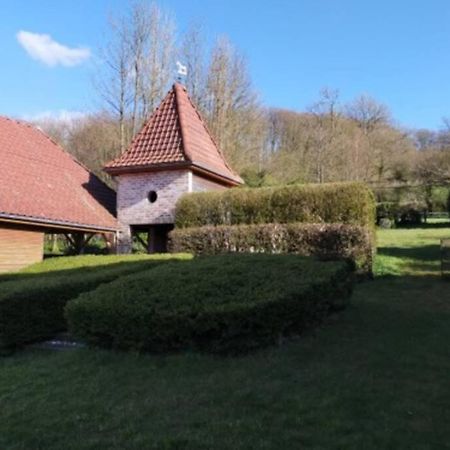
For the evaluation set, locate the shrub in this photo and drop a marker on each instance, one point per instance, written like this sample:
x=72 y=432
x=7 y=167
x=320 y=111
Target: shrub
x=401 y=214
x=438 y=198
x=410 y=214
x=226 y=303
x=350 y=203
x=326 y=241
x=386 y=210
x=431 y=198
x=32 y=303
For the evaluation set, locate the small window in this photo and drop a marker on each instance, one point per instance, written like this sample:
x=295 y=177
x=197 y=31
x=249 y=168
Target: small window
x=152 y=196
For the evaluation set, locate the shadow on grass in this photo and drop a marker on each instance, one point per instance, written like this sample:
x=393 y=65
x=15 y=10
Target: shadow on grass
x=125 y=267
x=425 y=226
x=423 y=253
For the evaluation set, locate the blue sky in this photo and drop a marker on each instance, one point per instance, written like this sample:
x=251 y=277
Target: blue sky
x=398 y=51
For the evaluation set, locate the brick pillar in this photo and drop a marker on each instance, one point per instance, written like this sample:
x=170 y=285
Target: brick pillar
x=124 y=241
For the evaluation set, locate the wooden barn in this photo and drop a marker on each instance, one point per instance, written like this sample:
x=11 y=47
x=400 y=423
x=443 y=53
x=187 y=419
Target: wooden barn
x=45 y=190
x=172 y=155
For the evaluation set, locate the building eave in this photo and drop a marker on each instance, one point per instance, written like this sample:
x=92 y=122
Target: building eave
x=53 y=224
x=196 y=168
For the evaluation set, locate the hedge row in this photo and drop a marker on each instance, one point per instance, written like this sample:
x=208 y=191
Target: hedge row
x=349 y=203
x=227 y=303
x=326 y=241
x=32 y=305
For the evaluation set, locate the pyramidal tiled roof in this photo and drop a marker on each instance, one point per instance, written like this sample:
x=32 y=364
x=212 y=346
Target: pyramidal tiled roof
x=174 y=136
x=43 y=184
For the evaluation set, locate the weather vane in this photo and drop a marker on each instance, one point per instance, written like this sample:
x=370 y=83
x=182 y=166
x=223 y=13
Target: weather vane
x=181 y=71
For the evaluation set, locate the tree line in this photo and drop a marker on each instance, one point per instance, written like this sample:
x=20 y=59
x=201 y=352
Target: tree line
x=330 y=141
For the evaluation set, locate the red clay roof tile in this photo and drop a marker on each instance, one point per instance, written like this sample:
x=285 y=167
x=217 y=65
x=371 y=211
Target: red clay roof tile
x=175 y=134
x=41 y=182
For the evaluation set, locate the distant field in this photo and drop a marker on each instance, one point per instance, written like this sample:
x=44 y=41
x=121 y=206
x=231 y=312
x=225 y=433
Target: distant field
x=376 y=376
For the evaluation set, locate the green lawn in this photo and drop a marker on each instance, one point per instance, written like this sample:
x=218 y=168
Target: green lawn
x=376 y=376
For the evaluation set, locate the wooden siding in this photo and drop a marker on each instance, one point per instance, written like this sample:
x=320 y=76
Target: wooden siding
x=19 y=247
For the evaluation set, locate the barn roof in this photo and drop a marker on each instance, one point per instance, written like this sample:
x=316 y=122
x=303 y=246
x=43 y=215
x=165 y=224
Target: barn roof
x=42 y=184
x=175 y=136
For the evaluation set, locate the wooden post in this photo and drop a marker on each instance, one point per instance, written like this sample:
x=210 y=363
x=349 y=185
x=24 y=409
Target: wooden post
x=78 y=241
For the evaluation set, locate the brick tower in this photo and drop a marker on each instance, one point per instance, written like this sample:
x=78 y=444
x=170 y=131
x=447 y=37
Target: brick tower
x=173 y=154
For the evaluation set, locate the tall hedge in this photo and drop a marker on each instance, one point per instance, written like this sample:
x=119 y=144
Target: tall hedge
x=348 y=203
x=326 y=241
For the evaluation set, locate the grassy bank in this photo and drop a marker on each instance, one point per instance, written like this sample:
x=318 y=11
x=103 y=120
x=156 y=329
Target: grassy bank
x=374 y=377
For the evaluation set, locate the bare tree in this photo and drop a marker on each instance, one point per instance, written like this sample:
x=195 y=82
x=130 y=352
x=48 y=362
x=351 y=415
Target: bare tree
x=325 y=130
x=113 y=76
x=158 y=59
x=136 y=64
x=193 y=54
x=233 y=110
x=368 y=113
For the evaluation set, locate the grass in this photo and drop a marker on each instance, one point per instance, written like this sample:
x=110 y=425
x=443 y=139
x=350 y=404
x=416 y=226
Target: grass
x=375 y=377
x=60 y=265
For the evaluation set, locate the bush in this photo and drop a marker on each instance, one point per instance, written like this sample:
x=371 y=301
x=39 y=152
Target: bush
x=438 y=198
x=227 y=303
x=431 y=198
x=350 y=203
x=326 y=241
x=32 y=303
x=411 y=214
x=386 y=210
x=401 y=214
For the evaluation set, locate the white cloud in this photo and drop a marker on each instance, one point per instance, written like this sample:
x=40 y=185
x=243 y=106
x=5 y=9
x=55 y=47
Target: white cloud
x=59 y=115
x=43 y=48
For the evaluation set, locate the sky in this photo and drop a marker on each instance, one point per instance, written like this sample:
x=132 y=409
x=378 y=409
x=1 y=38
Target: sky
x=397 y=51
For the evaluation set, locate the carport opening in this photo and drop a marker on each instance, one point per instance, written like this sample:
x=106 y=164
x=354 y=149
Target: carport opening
x=152 y=238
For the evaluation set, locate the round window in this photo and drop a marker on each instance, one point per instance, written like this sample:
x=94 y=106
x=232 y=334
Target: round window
x=152 y=196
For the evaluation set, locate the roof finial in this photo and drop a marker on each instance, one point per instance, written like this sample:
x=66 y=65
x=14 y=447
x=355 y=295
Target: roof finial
x=181 y=72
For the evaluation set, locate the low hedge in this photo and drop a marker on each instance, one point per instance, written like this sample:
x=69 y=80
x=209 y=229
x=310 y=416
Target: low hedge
x=32 y=303
x=349 y=203
x=227 y=303
x=326 y=241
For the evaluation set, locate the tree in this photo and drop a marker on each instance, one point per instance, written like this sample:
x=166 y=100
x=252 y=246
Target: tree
x=233 y=111
x=192 y=54
x=368 y=113
x=325 y=131
x=136 y=64
x=113 y=79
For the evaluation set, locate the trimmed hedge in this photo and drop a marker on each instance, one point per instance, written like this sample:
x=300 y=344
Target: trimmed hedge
x=32 y=304
x=326 y=241
x=227 y=303
x=349 y=203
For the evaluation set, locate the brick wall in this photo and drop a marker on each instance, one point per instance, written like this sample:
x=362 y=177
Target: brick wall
x=19 y=247
x=134 y=208
x=200 y=184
